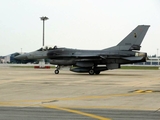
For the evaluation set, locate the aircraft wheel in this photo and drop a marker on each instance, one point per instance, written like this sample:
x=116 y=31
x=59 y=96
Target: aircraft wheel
x=56 y=71
x=97 y=72
x=91 y=72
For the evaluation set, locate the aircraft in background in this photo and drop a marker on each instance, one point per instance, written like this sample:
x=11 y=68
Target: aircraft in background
x=95 y=61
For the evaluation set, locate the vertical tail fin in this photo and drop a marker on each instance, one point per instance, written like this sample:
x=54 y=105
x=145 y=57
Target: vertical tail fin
x=133 y=40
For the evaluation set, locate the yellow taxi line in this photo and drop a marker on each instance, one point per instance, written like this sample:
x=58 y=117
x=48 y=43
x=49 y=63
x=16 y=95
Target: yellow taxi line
x=77 y=112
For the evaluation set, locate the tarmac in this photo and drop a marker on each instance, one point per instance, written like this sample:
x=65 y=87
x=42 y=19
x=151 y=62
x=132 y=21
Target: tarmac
x=115 y=94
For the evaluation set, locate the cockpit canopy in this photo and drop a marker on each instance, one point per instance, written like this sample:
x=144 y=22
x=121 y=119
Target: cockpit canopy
x=46 y=48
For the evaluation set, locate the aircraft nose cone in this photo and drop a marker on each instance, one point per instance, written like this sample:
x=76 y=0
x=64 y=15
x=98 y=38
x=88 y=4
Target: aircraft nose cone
x=21 y=57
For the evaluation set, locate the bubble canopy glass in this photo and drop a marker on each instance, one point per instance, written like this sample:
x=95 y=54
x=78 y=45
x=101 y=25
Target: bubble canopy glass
x=45 y=48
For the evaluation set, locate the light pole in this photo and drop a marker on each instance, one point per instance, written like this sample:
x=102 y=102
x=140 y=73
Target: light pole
x=43 y=18
x=42 y=62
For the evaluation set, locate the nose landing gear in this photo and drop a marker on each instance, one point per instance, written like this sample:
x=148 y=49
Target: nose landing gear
x=57 y=69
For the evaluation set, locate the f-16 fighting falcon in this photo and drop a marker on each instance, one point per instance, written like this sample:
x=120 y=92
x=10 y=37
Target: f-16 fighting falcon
x=95 y=61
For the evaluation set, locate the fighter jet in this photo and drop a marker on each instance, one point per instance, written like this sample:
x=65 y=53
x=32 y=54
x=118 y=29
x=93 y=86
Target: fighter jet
x=95 y=61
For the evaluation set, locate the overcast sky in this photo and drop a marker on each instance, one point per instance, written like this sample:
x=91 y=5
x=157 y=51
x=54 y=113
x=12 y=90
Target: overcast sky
x=81 y=24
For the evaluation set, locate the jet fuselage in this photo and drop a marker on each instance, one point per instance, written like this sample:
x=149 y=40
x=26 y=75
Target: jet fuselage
x=65 y=56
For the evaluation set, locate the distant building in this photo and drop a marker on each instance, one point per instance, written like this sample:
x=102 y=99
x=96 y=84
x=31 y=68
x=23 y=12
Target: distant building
x=7 y=59
x=1 y=59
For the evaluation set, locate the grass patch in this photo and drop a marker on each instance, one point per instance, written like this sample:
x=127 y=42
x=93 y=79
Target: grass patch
x=140 y=67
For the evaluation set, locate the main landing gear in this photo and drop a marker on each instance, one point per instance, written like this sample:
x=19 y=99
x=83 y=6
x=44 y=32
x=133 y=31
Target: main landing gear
x=92 y=72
